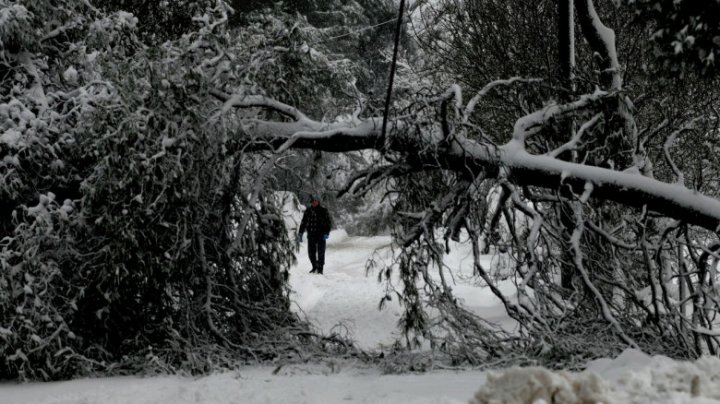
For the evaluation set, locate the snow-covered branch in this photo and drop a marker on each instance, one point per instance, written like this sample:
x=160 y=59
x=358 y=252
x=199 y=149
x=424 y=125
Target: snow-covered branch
x=602 y=41
x=489 y=87
x=573 y=143
x=471 y=157
x=532 y=123
x=259 y=101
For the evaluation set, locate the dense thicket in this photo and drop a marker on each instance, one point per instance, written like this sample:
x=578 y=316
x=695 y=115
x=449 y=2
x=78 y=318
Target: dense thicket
x=135 y=233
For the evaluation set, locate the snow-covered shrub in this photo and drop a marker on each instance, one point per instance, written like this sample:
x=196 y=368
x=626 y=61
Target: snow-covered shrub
x=135 y=233
x=14 y=25
x=37 y=298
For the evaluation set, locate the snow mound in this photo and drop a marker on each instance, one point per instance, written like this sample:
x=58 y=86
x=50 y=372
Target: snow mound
x=656 y=379
x=539 y=385
x=614 y=370
x=668 y=381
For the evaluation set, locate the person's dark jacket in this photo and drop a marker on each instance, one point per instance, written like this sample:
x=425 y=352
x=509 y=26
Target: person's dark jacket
x=316 y=221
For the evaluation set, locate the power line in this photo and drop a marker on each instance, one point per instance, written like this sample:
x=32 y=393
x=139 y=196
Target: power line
x=358 y=30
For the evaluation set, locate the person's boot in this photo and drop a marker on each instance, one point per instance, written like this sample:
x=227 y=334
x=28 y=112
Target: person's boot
x=319 y=271
x=314 y=270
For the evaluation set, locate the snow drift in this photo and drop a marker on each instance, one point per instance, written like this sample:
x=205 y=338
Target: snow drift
x=660 y=380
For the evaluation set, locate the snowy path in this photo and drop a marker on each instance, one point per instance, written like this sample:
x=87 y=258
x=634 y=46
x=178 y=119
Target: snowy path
x=345 y=299
x=344 y=296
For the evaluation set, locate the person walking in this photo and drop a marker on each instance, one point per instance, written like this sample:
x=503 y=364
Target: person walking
x=316 y=221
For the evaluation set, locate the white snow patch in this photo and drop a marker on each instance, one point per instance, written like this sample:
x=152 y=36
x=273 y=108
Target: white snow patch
x=11 y=137
x=70 y=75
x=296 y=384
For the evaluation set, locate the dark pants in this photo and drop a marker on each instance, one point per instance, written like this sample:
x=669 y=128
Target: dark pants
x=316 y=252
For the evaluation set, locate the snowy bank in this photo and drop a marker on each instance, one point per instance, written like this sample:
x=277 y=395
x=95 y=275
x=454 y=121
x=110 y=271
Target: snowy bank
x=633 y=377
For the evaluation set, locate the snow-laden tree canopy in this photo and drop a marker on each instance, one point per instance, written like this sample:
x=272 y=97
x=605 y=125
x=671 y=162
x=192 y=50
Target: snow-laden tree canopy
x=134 y=228
x=140 y=224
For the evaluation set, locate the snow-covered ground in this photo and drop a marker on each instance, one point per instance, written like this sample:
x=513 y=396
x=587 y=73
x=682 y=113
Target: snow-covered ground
x=346 y=300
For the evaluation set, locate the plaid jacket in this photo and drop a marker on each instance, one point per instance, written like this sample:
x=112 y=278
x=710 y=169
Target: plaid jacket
x=316 y=221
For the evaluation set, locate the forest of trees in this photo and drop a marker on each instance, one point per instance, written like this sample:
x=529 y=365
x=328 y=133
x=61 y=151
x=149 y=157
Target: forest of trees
x=143 y=146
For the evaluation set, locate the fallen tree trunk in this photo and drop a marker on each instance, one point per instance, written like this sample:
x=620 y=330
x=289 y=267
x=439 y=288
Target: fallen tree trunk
x=460 y=154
